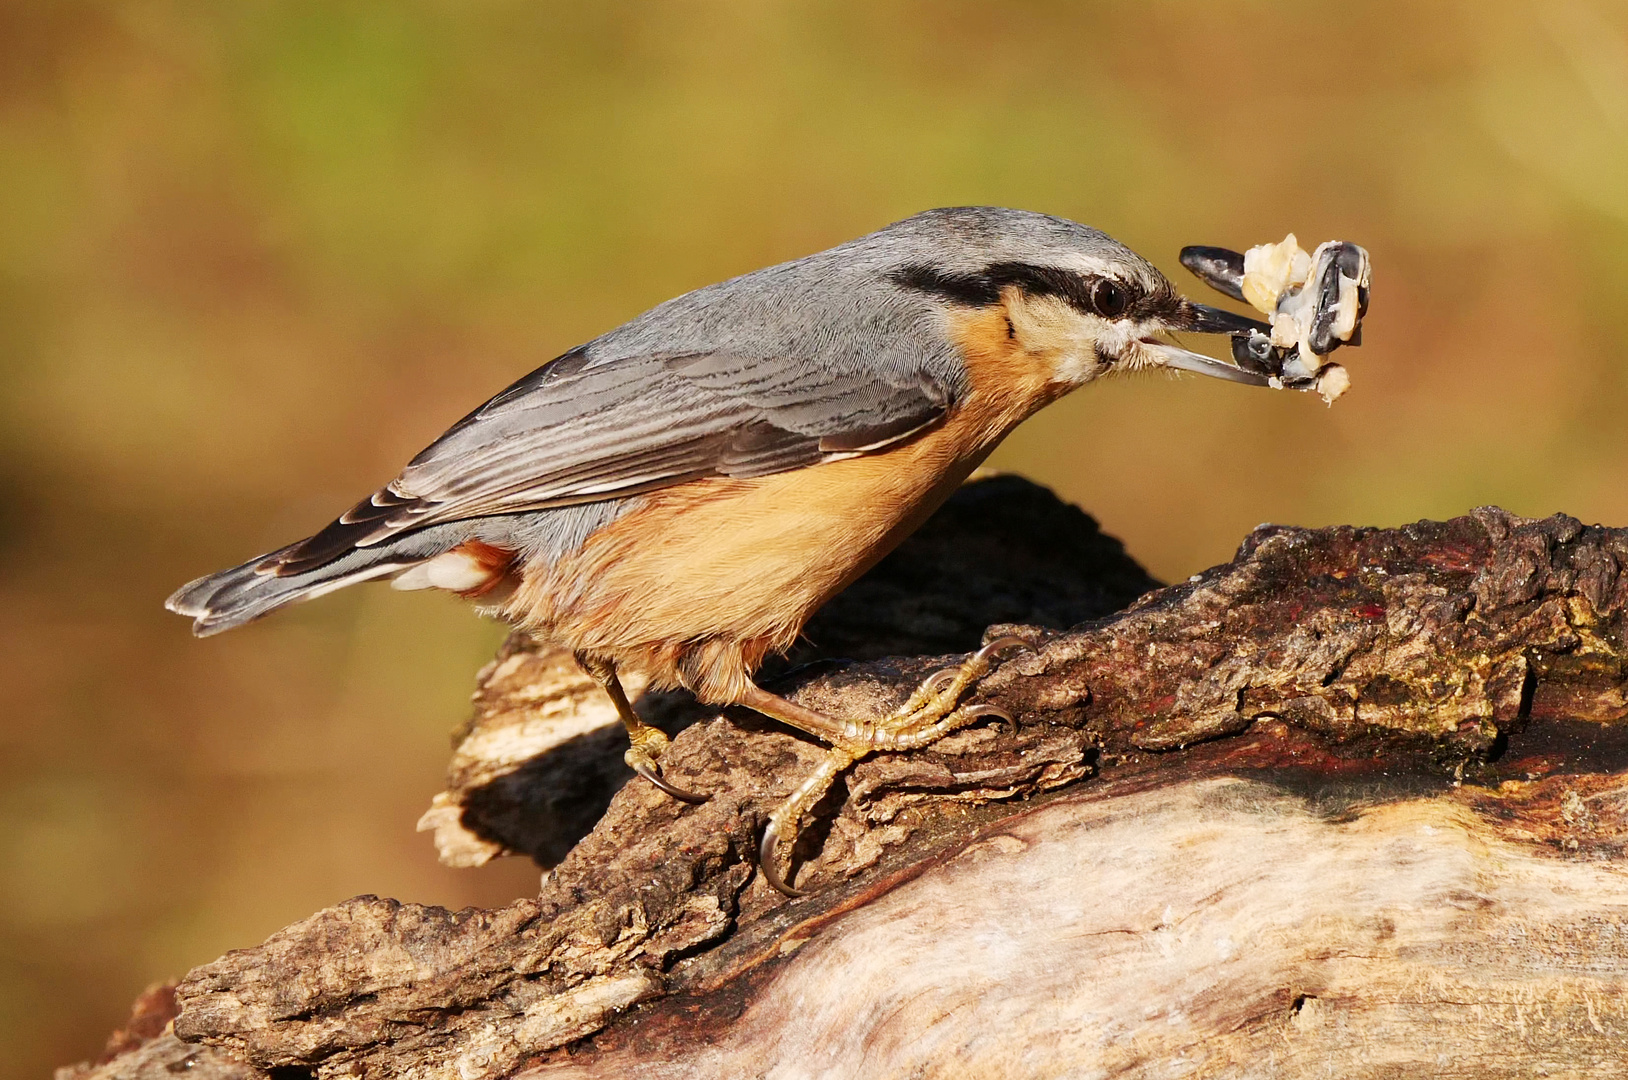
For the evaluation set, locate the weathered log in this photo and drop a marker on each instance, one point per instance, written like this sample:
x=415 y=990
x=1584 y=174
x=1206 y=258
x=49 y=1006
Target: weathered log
x=1355 y=803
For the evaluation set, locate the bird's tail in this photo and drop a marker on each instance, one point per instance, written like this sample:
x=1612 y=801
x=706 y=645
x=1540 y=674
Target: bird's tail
x=244 y=593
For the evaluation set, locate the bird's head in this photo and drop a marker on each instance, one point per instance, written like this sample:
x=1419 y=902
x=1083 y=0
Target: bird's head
x=1073 y=297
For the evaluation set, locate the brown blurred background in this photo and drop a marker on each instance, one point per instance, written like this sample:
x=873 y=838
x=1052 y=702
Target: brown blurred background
x=254 y=255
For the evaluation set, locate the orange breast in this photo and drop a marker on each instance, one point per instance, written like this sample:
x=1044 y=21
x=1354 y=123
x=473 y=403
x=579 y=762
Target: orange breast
x=700 y=581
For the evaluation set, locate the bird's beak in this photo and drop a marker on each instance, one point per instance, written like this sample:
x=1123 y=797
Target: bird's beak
x=1203 y=319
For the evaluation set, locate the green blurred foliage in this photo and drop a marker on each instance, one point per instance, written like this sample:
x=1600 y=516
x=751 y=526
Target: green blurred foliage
x=254 y=255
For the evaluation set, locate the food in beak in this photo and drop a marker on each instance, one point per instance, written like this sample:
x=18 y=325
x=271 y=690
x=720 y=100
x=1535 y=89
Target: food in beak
x=1315 y=303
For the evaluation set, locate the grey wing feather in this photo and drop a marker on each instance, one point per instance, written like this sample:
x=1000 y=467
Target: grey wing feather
x=577 y=431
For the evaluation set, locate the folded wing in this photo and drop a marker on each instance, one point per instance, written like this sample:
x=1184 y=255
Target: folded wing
x=582 y=430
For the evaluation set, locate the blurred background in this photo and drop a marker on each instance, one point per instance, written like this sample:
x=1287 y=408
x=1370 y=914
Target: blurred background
x=253 y=256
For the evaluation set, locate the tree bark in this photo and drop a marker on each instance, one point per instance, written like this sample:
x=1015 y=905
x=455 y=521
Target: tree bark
x=1353 y=804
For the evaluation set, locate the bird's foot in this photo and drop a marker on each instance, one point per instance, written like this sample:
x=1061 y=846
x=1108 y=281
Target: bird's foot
x=646 y=744
x=930 y=713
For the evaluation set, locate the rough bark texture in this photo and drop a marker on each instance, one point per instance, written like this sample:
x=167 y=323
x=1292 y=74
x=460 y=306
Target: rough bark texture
x=1352 y=804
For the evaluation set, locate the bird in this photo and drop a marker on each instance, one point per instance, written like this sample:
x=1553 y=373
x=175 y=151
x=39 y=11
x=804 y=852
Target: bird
x=679 y=495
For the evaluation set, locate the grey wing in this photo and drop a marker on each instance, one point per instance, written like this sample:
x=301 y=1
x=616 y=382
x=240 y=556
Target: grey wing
x=578 y=431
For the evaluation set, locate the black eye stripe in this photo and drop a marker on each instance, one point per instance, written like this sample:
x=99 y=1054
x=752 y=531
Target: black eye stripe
x=969 y=290
x=1075 y=289
x=1093 y=294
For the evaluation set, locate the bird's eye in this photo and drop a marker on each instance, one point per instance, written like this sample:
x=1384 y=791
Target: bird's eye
x=1110 y=298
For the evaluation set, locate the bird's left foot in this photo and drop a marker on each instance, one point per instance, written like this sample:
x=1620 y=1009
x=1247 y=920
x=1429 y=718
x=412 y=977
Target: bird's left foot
x=646 y=744
x=930 y=714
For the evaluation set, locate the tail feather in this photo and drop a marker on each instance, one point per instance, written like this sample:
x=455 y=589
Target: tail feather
x=244 y=593
x=262 y=585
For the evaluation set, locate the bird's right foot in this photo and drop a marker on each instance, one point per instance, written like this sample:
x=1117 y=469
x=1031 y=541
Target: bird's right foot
x=931 y=713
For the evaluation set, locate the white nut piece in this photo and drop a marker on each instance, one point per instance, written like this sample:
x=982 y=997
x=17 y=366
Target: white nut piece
x=1332 y=381
x=1313 y=303
x=1270 y=270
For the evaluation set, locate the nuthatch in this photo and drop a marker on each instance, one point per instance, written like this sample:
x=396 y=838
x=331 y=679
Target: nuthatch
x=681 y=494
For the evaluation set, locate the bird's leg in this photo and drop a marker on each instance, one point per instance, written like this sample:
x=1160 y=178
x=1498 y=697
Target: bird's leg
x=645 y=743
x=928 y=715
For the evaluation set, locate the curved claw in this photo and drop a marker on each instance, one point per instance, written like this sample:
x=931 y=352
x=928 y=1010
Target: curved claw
x=766 y=861
x=940 y=680
x=643 y=767
x=1000 y=645
x=984 y=708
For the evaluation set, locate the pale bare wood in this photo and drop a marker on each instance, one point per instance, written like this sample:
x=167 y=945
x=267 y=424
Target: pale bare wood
x=1217 y=927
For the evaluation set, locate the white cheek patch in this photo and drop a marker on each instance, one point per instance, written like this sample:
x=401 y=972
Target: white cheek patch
x=1119 y=340
x=455 y=571
x=1124 y=343
x=1077 y=364
x=1056 y=336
